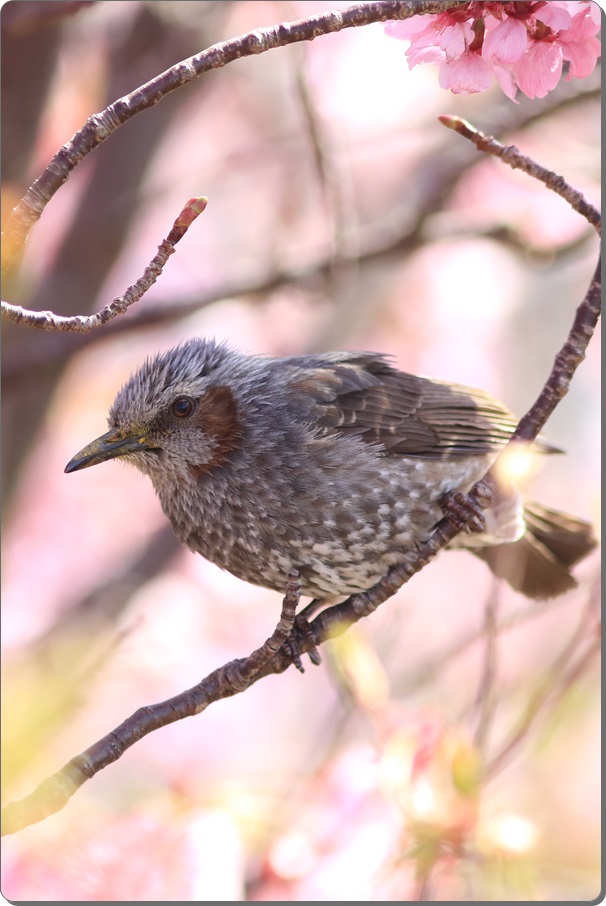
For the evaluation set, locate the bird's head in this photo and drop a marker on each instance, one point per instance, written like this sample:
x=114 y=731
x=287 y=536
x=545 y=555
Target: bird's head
x=175 y=418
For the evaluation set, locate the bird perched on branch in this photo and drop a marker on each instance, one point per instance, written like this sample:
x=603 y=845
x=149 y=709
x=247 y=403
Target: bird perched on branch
x=334 y=464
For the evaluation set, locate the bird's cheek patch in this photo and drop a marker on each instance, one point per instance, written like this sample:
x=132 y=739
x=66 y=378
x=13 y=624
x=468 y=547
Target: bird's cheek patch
x=217 y=417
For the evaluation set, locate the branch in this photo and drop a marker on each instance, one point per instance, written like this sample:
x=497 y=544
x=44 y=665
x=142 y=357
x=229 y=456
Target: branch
x=234 y=677
x=485 y=699
x=47 y=320
x=54 y=792
x=511 y=156
x=100 y=126
x=573 y=352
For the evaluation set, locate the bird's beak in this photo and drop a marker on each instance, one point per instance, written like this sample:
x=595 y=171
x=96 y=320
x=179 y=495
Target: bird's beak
x=108 y=446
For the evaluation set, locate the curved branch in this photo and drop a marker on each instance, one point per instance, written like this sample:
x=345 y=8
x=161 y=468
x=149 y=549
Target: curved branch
x=100 y=126
x=48 y=320
x=234 y=677
x=511 y=156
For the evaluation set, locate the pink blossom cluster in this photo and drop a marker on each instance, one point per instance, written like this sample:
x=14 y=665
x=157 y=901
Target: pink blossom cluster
x=522 y=44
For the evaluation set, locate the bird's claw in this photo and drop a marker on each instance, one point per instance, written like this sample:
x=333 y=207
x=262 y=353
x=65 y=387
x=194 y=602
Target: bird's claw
x=301 y=633
x=463 y=512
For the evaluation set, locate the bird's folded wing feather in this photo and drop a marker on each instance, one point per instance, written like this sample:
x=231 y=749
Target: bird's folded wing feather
x=406 y=415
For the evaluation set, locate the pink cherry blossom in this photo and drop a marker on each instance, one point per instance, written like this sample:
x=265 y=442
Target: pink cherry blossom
x=580 y=46
x=425 y=50
x=523 y=45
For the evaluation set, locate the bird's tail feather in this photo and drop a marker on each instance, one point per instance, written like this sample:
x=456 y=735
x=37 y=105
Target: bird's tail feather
x=539 y=563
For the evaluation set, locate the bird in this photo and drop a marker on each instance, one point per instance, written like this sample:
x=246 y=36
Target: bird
x=333 y=464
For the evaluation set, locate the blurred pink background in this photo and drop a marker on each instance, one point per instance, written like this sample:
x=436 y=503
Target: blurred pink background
x=335 y=784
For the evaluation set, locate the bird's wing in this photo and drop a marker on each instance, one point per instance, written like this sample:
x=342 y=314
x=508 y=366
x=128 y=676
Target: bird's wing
x=406 y=415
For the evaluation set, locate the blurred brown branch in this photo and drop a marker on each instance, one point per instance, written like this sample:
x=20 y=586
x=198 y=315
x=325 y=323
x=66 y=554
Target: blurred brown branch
x=485 y=699
x=431 y=667
x=332 y=180
x=565 y=670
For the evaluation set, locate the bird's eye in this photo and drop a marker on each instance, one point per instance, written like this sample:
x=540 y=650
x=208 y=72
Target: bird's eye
x=183 y=407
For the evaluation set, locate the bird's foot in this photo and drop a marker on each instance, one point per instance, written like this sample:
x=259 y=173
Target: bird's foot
x=463 y=512
x=298 y=640
x=301 y=634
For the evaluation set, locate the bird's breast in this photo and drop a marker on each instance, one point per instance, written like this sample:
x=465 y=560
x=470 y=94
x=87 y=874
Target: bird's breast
x=341 y=528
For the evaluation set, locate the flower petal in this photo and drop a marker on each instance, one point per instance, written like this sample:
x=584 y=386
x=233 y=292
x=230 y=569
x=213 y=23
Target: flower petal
x=582 y=57
x=554 y=16
x=468 y=74
x=539 y=70
x=506 y=81
x=506 y=42
x=406 y=29
x=454 y=39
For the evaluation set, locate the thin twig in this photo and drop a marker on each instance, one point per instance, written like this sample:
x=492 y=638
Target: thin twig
x=424 y=886
x=573 y=352
x=511 y=156
x=536 y=706
x=556 y=682
x=48 y=320
x=485 y=698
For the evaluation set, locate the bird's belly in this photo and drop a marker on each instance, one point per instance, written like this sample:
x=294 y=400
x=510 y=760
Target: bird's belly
x=343 y=540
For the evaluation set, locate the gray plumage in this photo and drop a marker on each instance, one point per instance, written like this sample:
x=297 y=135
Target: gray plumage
x=334 y=464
